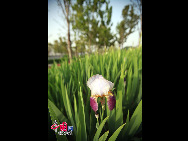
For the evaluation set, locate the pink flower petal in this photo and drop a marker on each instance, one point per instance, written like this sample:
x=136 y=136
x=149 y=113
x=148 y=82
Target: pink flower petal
x=93 y=104
x=111 y=102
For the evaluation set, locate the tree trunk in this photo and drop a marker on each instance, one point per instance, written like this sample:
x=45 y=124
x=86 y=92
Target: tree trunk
x=89 y=46
x=67 y=4
x=69 y=42
x=141 y=22
x=68 y=33
x=140 y=34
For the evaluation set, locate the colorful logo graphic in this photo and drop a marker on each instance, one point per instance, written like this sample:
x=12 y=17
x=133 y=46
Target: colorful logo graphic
x=63 y=128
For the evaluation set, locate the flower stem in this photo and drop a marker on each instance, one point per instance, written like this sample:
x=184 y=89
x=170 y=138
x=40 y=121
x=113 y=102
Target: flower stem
x=102 y=113
x=97 y=124
x=97 y=116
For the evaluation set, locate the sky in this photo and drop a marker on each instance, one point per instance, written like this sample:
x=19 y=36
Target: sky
x=57 y=25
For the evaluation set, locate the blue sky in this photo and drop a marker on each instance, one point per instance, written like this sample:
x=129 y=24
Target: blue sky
x=57 y=25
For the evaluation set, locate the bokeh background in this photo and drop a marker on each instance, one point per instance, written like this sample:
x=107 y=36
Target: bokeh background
x=93 y=25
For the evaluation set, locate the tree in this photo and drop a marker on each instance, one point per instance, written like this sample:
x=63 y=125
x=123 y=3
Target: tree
x=60 y=46
x=92 y=23
x=65 y=7
x=80 y=46
x=127 y=25
x=106 y=38
x=138 y=5
x=82 y=21
x=50 y=46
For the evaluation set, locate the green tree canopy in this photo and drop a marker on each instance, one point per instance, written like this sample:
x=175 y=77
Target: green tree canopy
x=127 y=25
x=60 y=46
x=92 y=23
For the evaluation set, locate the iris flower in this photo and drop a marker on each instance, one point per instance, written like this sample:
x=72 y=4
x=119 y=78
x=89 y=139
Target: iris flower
x=100 y=87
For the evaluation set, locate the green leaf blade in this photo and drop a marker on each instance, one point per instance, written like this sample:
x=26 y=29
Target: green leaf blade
x=134 y=122
x=82 y=117
x=104 y=136
x=97 y=134
x=116 y=133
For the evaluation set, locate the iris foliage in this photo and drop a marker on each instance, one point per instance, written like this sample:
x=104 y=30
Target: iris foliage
x=69 y=96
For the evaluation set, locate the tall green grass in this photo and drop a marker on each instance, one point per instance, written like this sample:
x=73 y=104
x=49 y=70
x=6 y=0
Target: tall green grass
x=69 y=96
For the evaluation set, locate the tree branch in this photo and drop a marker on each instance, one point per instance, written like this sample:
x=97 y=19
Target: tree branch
x=62 y=8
